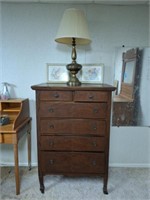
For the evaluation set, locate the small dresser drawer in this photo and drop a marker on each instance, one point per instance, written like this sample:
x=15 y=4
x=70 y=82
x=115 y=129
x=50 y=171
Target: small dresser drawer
x=56 y=95
x=72 y=162
x=72 y=143
x=77 y=110
x=91 y=96
x=73 y=127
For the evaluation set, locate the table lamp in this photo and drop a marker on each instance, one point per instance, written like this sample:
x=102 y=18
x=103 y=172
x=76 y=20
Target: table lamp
x=73 y=30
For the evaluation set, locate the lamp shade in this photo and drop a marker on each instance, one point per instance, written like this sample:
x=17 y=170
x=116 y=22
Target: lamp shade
x=73 y=25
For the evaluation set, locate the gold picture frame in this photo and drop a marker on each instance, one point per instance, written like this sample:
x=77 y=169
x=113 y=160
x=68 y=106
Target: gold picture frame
x=57 y=73
x=92 y=73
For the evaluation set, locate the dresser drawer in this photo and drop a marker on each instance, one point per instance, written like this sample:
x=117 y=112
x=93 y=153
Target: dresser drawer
x=73 y=126
x=72 y=143
x=56 y=95
x=73 y=110
x=73 y=162
x=91 y=96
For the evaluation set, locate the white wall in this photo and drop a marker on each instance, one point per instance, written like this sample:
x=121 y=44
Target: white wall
x=28 y=32
x=0 y=43
x=144 y=117
x=130 y=147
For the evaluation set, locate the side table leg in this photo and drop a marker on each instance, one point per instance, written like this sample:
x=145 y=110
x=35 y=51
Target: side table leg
x=29 y=146
x=16 y=169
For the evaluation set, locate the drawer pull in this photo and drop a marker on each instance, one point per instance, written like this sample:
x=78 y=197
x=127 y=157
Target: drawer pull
x=51 y=126
x=94 y=128
x=51 y=143
x=94 y=143
x=50 y=110
x=56 y=95
x=51 y=162
x=94 y=162
x=91 y=97
x=95 y=110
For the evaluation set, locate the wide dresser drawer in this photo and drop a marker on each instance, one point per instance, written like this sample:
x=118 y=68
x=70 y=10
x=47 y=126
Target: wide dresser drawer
x=73 y=162
x=73 y=110
x=73 y=126
x=72 y=143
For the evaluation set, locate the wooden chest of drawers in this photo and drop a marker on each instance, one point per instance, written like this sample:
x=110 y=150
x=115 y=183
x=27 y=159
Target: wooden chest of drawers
x=73 y=125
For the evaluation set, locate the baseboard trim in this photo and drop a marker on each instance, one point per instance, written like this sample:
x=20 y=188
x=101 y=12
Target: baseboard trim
x=133 y=165
x=5 y=164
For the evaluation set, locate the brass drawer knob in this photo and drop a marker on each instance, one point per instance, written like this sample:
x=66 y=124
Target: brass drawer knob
x=95 y=110
x=50 y=110
x=91 y=97
x=51 y=143
x=56 y=95
x=51 y=162
x=94 y=128
x=51 y=126
x=94 y=144
x=94 y=162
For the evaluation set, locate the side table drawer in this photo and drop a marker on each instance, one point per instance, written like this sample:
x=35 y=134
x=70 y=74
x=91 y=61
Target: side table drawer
x=1 y=138
x=65 y=162
x=72 y=143
x=56 y=95
x=73 y=126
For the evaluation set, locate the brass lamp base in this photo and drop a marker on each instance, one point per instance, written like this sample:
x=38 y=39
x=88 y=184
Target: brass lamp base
x=73 y=70
x=73 y=67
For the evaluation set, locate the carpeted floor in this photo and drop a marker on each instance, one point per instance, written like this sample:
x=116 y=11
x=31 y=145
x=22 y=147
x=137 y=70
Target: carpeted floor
x=123 y=184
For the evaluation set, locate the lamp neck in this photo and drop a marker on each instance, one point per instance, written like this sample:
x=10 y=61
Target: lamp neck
x=74 y=55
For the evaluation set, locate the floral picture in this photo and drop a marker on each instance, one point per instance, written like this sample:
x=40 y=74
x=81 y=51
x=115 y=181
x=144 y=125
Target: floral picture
x=57 y=73
x=92 y=73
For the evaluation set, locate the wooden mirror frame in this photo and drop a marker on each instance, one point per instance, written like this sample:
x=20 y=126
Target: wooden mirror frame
x=127 y=89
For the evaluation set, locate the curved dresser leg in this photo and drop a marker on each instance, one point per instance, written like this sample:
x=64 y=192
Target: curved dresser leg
x=105 y=191
x=42 y=188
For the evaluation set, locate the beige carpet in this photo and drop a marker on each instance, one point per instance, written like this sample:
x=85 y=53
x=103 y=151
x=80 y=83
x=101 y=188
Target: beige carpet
x=124 y=184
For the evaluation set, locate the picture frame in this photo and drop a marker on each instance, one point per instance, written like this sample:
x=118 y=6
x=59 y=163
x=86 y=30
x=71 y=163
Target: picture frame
x=92 y=73
x=57 y=73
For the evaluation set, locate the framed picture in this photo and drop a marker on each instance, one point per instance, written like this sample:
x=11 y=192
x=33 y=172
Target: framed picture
x=57 y=73
x=92 y=73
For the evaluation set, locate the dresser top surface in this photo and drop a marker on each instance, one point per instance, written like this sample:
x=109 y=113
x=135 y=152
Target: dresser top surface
x=60 y=86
